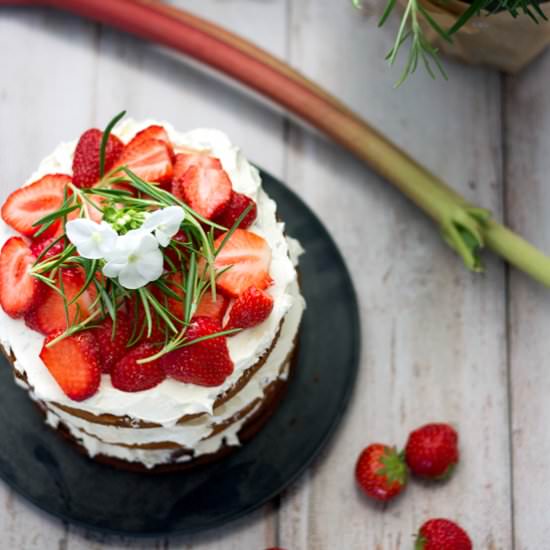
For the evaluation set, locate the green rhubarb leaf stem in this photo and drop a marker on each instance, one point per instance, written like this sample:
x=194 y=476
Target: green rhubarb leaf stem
x=518 y=252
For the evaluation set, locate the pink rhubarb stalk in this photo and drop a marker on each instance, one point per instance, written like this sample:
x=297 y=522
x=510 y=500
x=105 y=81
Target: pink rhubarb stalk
x=465 y=227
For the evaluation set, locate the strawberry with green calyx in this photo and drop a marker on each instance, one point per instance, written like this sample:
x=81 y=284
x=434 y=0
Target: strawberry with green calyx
x=442 y=534
x=381 y=472
x=432 y=451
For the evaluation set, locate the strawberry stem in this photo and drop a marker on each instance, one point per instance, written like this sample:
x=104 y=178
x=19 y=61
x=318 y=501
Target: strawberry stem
x=465 y=227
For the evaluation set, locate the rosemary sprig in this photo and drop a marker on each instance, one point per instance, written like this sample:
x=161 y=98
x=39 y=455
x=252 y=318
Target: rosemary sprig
x=411 y=32
x=105 y=140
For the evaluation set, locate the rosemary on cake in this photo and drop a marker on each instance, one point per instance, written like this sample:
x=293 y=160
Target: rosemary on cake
x=129 y=265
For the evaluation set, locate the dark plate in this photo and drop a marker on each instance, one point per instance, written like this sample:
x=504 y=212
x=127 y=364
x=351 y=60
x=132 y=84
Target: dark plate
x=37 y=463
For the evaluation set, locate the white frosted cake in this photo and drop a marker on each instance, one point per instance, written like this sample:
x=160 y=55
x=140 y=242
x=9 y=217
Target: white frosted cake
x=154 y=311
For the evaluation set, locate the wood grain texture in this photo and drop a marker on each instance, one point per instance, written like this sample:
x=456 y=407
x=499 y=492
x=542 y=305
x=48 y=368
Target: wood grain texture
x=433 y=334
x=435 y=343
x=527 y=197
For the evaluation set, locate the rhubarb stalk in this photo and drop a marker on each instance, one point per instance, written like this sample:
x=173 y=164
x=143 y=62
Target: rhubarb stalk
x=465 y=227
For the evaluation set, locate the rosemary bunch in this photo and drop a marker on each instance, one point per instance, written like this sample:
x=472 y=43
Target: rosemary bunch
x=420 y=50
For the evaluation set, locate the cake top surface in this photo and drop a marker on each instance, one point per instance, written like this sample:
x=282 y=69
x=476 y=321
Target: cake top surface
x=157 y=266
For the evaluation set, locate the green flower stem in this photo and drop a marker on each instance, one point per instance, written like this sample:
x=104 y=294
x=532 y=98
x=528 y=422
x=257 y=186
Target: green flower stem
x=465 y=227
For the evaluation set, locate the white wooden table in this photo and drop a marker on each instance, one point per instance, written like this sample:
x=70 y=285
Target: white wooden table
x=438 y=342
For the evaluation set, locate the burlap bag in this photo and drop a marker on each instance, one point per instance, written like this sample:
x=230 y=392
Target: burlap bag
x=498 y=40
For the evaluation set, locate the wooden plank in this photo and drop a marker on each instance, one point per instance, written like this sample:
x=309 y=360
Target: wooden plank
x=527 y=196
x=433 y=334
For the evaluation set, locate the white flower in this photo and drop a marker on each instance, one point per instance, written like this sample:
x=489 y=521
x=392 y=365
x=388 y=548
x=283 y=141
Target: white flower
x=92 y=240
x=165 y=223
x=136 y=260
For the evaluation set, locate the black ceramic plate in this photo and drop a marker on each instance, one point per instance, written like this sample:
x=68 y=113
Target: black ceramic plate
x=37 y=463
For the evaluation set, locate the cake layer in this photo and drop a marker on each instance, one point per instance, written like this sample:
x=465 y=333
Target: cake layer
x=207 y=450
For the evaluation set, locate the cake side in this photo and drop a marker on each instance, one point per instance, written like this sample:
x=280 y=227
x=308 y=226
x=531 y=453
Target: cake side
x=174 y=415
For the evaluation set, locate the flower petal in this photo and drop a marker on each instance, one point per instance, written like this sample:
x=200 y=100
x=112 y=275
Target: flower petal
x=131 y=278
x=109 y=238
x=151 y=264
x=165 y=223
x=147 y=243
x=162 y=237
x=92 y=240
x=81 y=229
x=112 y=269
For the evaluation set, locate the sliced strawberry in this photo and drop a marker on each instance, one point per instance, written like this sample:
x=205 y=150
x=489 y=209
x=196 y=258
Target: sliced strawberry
x=136 y=312
x=205 y=363
x=19 y=290
x=112 y=345
x=149 y=159
x=212 y=308
x=74 y=363
x=206 y=307
x=30 y=203
x=237 y=205
x=130 y=376
x=48 y=315
x=86 y=157
x=174 y=281
x=155 y=131
x=38 y=246
x=181 y=237
x=206 y=190
x=249 y=256
x=94 y=213
x=251 y=308
x=184 y=161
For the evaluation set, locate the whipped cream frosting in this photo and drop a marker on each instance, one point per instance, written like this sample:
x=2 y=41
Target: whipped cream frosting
x=170 y=400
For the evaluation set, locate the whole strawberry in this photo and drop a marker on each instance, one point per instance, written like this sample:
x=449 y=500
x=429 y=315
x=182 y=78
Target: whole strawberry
x=131 y=376
x=432 y=451
x=442 y=534
x=205 y=362
x=112 y=342
x=86 y=163
x=381 y=472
